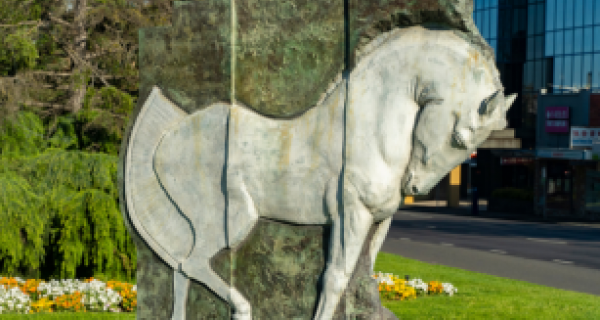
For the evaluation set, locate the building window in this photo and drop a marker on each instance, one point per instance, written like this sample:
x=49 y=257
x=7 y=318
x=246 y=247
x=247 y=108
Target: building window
x=577 y=40
x=569 y=13
x=539 y=47
x=588 y=39
x=587 y=70
x=596 y=71
x=558 y=73
x=588 y=12
x=569 y=41
x=577 y=72
x=568 y=81
x=549 y=44
x=560 y=13
x=596 y=35
x=597 y=13
x=540 y=19
x=578 y=18
x=559 y=42
x=550 y=14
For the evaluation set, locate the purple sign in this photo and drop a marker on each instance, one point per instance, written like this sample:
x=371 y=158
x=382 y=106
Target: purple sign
x=557 y=112
x=557 y=119
x=557 y=126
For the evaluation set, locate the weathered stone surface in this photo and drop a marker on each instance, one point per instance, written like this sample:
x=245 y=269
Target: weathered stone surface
x=190 y=60
x=368 y=19
x=287 y=53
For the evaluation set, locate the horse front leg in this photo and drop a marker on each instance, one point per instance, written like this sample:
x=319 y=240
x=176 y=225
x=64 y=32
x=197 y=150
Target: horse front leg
x=349 y=231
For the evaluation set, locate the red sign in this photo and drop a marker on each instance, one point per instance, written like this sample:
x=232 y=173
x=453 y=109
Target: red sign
x=557 y=119
x=515 y=161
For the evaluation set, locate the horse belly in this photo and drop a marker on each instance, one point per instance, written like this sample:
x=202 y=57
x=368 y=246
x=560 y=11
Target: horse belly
x=285 y=164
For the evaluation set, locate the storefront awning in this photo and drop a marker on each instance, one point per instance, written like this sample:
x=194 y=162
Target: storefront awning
x=565 y=154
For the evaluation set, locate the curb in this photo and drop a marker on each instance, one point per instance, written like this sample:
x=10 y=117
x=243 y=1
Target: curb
x=501 y=216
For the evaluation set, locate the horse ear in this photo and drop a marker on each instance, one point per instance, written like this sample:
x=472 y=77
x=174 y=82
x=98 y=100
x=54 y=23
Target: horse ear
x=491 y=103
x=500 y=124
x=510 y=100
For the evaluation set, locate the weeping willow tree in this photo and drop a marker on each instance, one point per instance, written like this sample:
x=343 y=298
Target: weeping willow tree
x=68 y=82
x=58 y=205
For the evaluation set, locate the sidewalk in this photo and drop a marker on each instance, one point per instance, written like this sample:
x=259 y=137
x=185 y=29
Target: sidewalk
x=464 y=209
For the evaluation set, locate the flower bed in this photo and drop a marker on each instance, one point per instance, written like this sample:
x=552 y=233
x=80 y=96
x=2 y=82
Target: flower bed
x=392 y=287
x=37 y=296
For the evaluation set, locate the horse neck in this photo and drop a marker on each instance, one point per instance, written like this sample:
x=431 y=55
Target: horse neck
x=395 y=92
x=381 y=112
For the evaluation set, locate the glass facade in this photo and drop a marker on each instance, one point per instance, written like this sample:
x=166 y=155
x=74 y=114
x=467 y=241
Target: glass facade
x=548 y=44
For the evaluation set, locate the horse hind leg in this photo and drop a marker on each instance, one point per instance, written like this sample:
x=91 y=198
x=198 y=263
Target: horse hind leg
x=181 y=285
x=200 y=270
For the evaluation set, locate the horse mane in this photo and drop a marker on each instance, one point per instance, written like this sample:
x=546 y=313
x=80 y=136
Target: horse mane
x=474 y=40
x=467 y=31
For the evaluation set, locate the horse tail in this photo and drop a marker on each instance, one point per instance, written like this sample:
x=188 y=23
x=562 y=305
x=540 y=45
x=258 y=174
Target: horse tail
x=152 y=213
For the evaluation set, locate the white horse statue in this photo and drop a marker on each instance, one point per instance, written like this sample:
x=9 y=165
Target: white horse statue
x=198 y=183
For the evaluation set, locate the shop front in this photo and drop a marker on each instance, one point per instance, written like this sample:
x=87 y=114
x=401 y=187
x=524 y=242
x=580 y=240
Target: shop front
x=567 y=165
x=567 y=183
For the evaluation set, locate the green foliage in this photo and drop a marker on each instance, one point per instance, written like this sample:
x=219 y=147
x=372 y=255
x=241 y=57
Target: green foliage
x=17 y=50
x=513 y=193
x=59 y=203
x=22 y=137
x=104 y=115
x=65 y=136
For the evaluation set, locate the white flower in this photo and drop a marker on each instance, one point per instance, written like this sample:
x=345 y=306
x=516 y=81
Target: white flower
x=449 y=288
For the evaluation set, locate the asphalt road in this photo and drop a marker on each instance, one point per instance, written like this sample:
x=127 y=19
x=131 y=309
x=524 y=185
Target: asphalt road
x=556 y=255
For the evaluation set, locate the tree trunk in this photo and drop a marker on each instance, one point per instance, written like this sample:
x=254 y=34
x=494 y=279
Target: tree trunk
x=79 y=84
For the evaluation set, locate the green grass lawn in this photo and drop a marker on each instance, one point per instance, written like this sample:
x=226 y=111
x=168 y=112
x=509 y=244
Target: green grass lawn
x=479 y=296
x=74 y=316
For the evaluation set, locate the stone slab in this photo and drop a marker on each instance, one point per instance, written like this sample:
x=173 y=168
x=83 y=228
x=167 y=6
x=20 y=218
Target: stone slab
x=190 y=60
x=287 y=53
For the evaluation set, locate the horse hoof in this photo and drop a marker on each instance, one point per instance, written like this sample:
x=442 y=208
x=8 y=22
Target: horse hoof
x=241 y=316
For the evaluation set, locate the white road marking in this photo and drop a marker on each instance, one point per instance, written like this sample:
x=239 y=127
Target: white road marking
x=563 y=261
x=578 y=224
x=498 y=251
x=447 y=244
x=547 y=241
x=406 y=239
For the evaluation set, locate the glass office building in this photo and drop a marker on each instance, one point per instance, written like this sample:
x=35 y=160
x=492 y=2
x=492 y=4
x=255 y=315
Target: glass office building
x=550 y=44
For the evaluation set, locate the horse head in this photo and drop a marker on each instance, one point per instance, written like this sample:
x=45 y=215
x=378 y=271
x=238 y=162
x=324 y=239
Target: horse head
x=453 y=126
